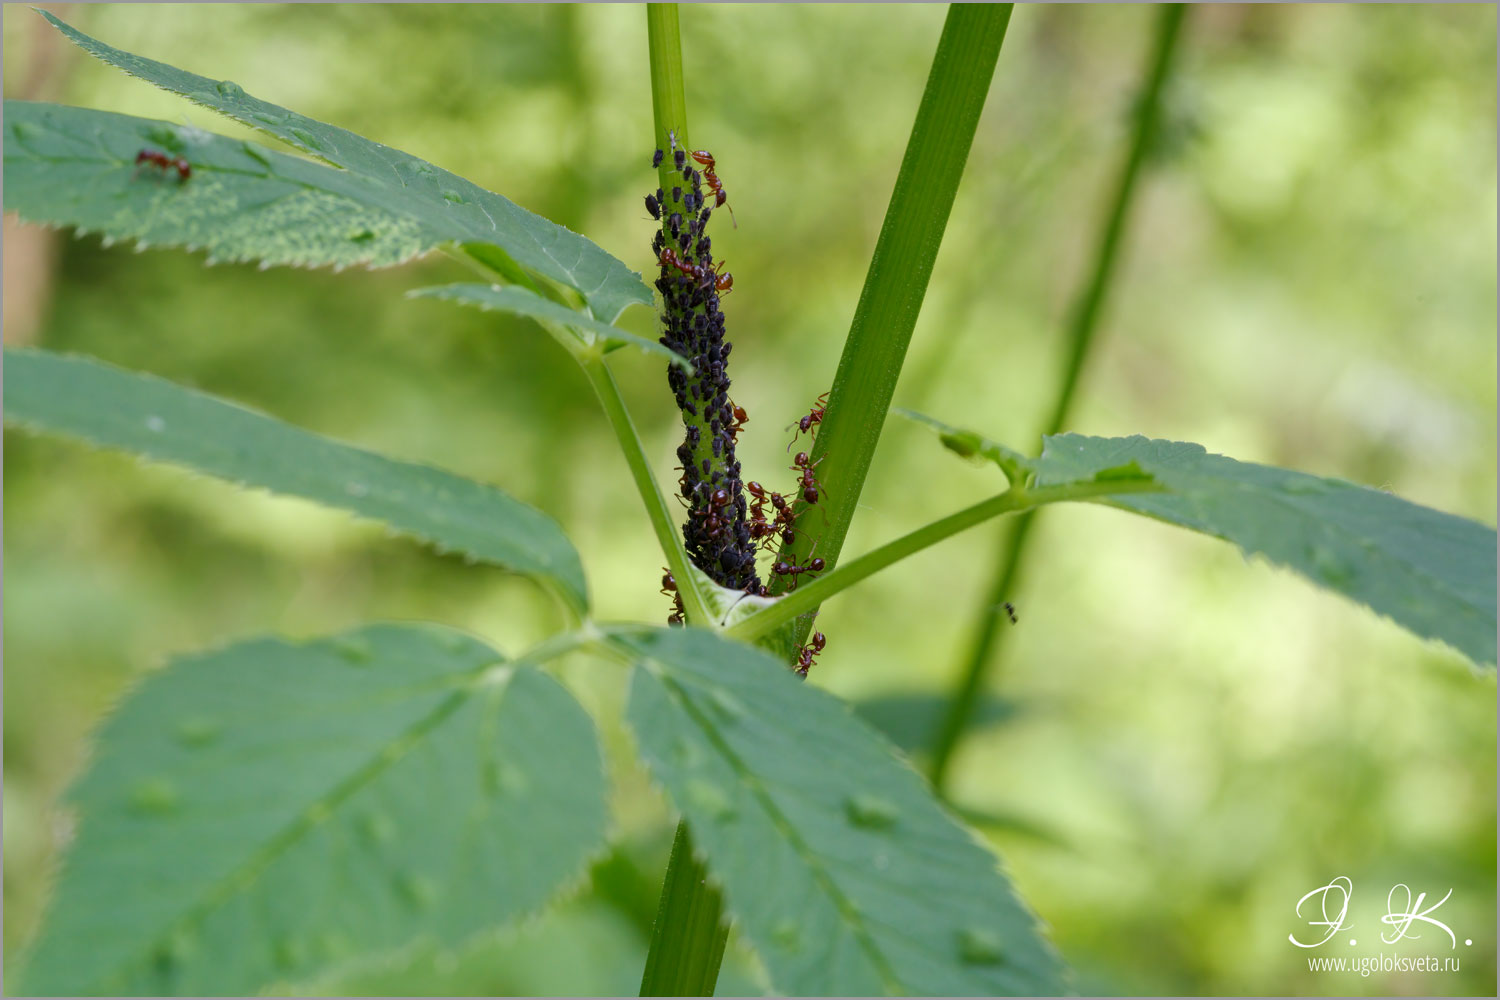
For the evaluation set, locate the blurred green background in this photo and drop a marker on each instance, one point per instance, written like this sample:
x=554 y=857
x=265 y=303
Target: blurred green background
x=1194 y=741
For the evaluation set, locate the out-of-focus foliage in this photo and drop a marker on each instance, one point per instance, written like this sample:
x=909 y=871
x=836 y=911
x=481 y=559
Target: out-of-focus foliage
x=1308 y=282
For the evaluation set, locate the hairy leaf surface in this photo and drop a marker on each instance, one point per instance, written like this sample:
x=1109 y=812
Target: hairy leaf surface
x=273 y=809
x=436 y=205
x=158 y=419
x=838 y=864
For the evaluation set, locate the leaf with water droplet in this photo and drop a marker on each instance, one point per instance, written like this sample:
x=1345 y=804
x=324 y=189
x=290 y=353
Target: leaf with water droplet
x=796 y=795
x=339 y=808
x=199 y=731
x=872 y=812
x=155 y=797
x=710 y=798
x=980 y=946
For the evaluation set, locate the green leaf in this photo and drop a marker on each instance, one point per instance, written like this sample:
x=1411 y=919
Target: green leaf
x=524 y=302
x=438 y=205
x=1430 y=572
x=155 y=418
x=970 y=444
x=838 y=864
x=242 y=202
x=275 y=809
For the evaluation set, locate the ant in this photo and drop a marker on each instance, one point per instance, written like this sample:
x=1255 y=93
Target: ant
x=721 y=282
x=669 y=258
x=1010 y=609
x=808 y=425
x=669 y=588
x=741 y=418
x=806 y=656
x=706 y=159
x=165 y=162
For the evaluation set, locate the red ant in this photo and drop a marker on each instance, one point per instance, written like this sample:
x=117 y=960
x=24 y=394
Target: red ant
x=808 y=424
x=741 y=418
x=165 y=162
x=806 y=656
x=669 y=258
x=706 y=159
x=669 y=588
x=721 y=282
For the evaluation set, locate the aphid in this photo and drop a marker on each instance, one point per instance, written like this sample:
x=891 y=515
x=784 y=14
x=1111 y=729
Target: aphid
x=165 y=162
x=678 y=157
x=652 y=205
x=656 y=159
x=1010 y=609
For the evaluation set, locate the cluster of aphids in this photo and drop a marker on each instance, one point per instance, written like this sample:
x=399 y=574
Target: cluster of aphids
x=724 y=532
x=165 y=163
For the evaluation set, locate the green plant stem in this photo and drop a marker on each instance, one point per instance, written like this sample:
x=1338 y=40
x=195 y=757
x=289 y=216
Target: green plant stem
x=810 y=595
x=896 y=282
x=608 y=391
x=1083 y=325
x=687 y=941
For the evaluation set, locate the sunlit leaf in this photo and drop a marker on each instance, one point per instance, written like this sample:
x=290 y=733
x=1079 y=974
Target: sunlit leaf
x=406 y=203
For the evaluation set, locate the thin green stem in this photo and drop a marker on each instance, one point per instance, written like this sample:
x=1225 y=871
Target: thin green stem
x=896 y=282
x=605 y=387
x=810 y=595
x=1083 y=325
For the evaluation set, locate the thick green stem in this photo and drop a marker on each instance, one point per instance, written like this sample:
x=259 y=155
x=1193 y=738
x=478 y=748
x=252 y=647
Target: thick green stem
x=687 y=942
x=897 y=279
x=1083 y=324
x=810 y=595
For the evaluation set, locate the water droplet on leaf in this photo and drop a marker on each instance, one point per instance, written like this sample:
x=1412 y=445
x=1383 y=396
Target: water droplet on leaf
x=418 y=891
x=155 y=424
x=353 y=650
x=155 y=796
x=198 y=731
x=871 y=811
x=787 y=933
x=710 y=798
x=979 y=946
x=305 y=137
x=377 y=828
